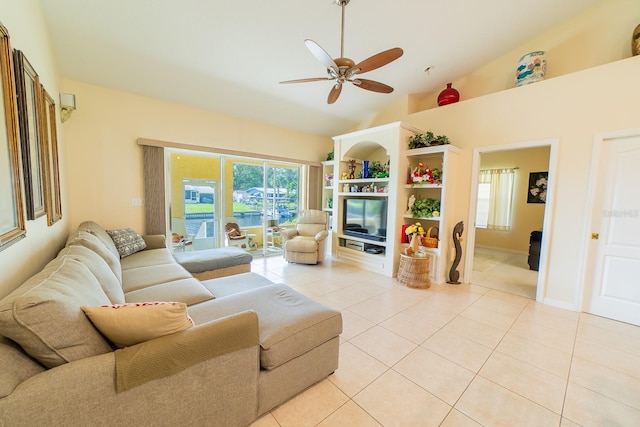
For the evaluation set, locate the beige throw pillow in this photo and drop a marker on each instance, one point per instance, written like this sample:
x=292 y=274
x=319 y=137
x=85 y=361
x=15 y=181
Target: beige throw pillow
x=129 y=324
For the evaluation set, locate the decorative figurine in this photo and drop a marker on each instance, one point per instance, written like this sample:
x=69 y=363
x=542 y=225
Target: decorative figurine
x=412 y=201
x=454 y=275
x=352 y=169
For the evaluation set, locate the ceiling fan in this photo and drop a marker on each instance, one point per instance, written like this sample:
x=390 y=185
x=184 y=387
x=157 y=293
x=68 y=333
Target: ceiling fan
x=344 y=70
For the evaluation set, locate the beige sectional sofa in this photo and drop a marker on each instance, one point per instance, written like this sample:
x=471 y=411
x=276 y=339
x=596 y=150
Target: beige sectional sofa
x=254 y=345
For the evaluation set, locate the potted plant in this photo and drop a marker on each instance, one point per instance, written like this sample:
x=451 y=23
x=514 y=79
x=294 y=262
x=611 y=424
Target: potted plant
x=427 y=139
x=426 y=208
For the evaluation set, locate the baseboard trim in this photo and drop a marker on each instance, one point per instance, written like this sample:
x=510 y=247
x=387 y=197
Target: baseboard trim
x=560 y=304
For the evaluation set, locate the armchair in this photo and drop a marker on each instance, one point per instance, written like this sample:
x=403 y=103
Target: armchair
x=305 y=243
x=235 y=237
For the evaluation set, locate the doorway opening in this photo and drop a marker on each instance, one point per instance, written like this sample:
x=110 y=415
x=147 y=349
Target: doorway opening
x=510 y=205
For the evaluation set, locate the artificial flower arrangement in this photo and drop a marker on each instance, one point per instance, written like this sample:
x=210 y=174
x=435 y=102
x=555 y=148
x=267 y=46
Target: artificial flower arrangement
x=422 y=174
x=329 y=178
x=415 y=229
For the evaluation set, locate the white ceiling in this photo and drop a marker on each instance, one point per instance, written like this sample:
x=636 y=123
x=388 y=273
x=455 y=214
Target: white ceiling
x=229 y=56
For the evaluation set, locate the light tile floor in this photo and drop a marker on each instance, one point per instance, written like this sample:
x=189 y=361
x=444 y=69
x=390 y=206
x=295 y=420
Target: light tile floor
x=463 y=355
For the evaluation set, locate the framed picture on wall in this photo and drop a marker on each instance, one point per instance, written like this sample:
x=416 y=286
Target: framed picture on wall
x=28 y=94
x=537 y=187
x=49 y=140
x=12 y=222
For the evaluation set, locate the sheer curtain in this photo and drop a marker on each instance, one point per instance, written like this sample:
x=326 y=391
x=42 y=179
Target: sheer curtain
x=500 y=197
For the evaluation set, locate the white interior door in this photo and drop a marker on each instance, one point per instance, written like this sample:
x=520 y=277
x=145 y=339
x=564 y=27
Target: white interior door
x=615 y=248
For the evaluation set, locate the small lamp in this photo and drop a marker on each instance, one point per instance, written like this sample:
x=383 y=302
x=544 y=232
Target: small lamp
x=67 y=105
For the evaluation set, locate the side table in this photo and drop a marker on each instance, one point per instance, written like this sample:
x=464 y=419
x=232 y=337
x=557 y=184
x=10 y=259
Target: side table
x=413 y=271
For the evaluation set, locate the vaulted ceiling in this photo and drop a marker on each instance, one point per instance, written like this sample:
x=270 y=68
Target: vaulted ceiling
x=229 y=56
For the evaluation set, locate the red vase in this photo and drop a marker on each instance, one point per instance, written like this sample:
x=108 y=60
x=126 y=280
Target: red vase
x=448 y=96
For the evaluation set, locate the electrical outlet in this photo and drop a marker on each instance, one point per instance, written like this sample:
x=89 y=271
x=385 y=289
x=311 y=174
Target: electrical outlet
x=137 y=201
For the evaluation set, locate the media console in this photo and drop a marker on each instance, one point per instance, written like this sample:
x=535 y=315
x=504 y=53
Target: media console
x=357 y=245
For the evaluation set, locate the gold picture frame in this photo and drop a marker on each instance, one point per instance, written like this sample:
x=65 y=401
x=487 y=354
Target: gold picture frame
x=49 y=140
x=29 y=121
x=12 y=220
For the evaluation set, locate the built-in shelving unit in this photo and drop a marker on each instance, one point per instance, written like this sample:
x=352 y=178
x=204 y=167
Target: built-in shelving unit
x=381 y=144
x=388 y=143
x=443 y=158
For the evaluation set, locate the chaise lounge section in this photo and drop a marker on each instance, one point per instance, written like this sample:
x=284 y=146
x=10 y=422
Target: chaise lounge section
x=255 y=344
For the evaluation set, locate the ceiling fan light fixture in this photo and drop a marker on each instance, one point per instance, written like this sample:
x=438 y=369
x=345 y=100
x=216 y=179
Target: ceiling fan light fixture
x=344 y=69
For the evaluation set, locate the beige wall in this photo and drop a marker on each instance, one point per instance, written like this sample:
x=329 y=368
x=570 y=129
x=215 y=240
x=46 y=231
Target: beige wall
x=526 y=216
x=571 y=108
x=107 y=124
x=599 y=35
x=28 y=34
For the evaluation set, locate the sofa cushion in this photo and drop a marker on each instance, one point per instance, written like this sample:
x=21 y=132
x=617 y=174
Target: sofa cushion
x=290 y=323
x=302 y=244
x=147 y=258
x=127 y=241
x=188 y=291
x=129 y=324
x=97 y=230
x=142 y=277
x=16 y=367
x=213 y=259
x=229 y=285
x=98 y=266
x=91 y=241
x=44 y=316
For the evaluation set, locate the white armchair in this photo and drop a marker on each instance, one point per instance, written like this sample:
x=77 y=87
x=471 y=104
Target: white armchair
x=305 y=243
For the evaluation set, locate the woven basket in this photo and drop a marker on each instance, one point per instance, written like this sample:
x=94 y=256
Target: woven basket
x=428 y=241
x=414 y=272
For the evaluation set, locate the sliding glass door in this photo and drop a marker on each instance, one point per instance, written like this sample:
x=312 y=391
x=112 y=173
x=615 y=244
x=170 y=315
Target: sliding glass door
x=211 y=194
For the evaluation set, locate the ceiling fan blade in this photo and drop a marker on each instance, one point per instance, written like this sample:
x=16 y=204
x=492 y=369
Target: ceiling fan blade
x=335 y=93
x=372 y=86
x=312 y=79
x=321 y=55
x=378 y=60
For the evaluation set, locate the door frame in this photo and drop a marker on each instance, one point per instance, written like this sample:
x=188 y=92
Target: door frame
x=553 y=144
x=589 y=251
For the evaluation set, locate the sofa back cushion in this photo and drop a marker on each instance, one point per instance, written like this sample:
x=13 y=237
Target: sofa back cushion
x=99 y=268
x=97 y=230
x=93 y=242
x=16 y=367
x=44 y=316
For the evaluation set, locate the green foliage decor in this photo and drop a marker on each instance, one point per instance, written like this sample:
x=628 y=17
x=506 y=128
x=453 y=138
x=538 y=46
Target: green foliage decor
x=427 y=139
x=425 y=208
x=378 y=170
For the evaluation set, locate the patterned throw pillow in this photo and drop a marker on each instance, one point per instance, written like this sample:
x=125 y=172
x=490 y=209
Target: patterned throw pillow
x=132 y=323
x=127 y=241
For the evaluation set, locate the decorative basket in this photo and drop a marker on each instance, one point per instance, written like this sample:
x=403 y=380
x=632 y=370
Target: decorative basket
x=430 y=241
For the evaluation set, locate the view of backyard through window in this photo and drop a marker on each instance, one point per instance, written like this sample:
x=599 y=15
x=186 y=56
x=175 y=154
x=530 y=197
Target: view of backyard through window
x=211 y=194
x=252 y=199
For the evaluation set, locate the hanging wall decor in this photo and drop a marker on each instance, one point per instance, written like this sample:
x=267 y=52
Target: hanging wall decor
x=635 y=41
x=537 y=187
x=12 y=222
x=29 y=108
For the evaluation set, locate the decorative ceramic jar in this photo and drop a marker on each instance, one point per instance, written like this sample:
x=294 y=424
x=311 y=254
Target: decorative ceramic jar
x=635 y=41
x=448 y=96
x=531 y=68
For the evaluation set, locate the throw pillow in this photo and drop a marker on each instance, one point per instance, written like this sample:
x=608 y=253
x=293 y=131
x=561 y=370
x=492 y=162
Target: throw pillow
x=127 y=241
x=132 y=323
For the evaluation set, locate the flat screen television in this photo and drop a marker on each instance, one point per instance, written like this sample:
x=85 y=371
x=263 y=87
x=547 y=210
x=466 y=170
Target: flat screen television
x=365 y=217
